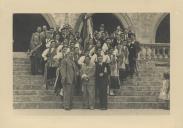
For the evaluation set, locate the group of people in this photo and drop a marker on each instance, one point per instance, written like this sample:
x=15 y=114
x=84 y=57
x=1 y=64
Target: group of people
x=94 y=67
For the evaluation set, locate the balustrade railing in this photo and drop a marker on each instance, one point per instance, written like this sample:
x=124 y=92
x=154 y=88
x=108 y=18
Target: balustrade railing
x=155 y=51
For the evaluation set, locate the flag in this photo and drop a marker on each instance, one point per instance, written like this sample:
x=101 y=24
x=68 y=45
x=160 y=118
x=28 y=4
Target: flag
x=87 y=29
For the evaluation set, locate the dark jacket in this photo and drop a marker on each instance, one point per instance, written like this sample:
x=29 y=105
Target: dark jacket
x=134 y=49
x=68 y=71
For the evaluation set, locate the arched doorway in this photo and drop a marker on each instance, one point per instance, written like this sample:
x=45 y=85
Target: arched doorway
x=111 y=20
x=108 y=19
x=23 y=27
x=163 y=30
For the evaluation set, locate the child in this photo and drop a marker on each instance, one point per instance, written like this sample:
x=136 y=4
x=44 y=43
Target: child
x=165 y=90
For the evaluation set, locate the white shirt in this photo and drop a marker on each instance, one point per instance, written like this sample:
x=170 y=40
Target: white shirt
x=82 y=58
x=104 y=47
x=48 y=43
x=45 y=53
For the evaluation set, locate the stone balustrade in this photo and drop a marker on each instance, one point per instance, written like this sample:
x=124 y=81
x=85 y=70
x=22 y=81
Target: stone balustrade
x=155 y=51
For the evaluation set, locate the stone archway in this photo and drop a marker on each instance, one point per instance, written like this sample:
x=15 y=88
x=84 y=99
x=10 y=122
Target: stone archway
x=49 y=19
x=24 y=24
x=156 y=26
x=122 y=17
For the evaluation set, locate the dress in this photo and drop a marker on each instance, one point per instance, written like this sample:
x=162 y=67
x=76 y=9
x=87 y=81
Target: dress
x=165 y=90
x=114 y=76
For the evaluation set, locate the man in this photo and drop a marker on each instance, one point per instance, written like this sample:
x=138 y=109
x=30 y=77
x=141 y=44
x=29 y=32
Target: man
x=43 y=33
x=78 y=37
x=101 y=82
x=133 y=48
x=51 y=64
x=118 y=30
x=61 y=54
x=88 y=83
x=35 y=52
x=57 y=40
x=56 y=31
x=68 y=72
x=76 y=57
x=49 y=39
x=106 y=45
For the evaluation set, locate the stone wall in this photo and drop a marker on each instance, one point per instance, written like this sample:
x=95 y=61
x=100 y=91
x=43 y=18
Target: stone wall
x=144 y=24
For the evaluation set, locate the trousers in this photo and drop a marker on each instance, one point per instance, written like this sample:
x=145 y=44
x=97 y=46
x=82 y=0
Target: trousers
x=68 y=95
x=88 y=95
x=102 y=91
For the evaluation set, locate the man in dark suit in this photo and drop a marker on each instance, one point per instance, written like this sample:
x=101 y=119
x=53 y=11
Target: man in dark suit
x=101 y=82
x=134 y=49
x=68 y=72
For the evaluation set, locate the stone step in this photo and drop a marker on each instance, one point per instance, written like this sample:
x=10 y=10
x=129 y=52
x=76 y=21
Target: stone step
x=36 y=98
x=21 y=62
x=141 y=83
x=19 y=82
x=51 y=92
x=21 y=68
x=144 y=79
x=27 y=71
x=31 y=81
x=28 y=77
x=78 y=105
x=122 y=88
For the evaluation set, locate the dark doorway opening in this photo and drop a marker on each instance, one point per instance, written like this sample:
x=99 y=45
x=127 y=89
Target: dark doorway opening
x=163 y=31
x=23 y=27
x=108 y=19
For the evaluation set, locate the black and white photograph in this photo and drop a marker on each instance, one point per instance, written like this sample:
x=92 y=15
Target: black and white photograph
x=91 y=61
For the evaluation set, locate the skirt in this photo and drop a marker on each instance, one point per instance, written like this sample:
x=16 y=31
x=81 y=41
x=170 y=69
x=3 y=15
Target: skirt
x=114 y=82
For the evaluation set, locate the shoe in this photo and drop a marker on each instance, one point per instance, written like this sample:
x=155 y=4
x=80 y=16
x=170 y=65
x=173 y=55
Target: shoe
x=111 y=93
x=103 y=108
x=85 y=107
x=67 y=108
x=92 y=108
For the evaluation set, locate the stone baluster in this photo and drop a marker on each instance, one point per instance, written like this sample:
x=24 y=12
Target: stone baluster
x=144 y=52
x=153 y=53
x=157 y=52
x=163 y=52
x=149 y=52
x=168 y=52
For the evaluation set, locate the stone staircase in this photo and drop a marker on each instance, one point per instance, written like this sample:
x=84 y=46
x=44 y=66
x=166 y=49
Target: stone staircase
x=139 y=92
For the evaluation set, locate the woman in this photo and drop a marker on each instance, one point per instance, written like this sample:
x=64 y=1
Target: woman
x=165 y=89
x=114 y=79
